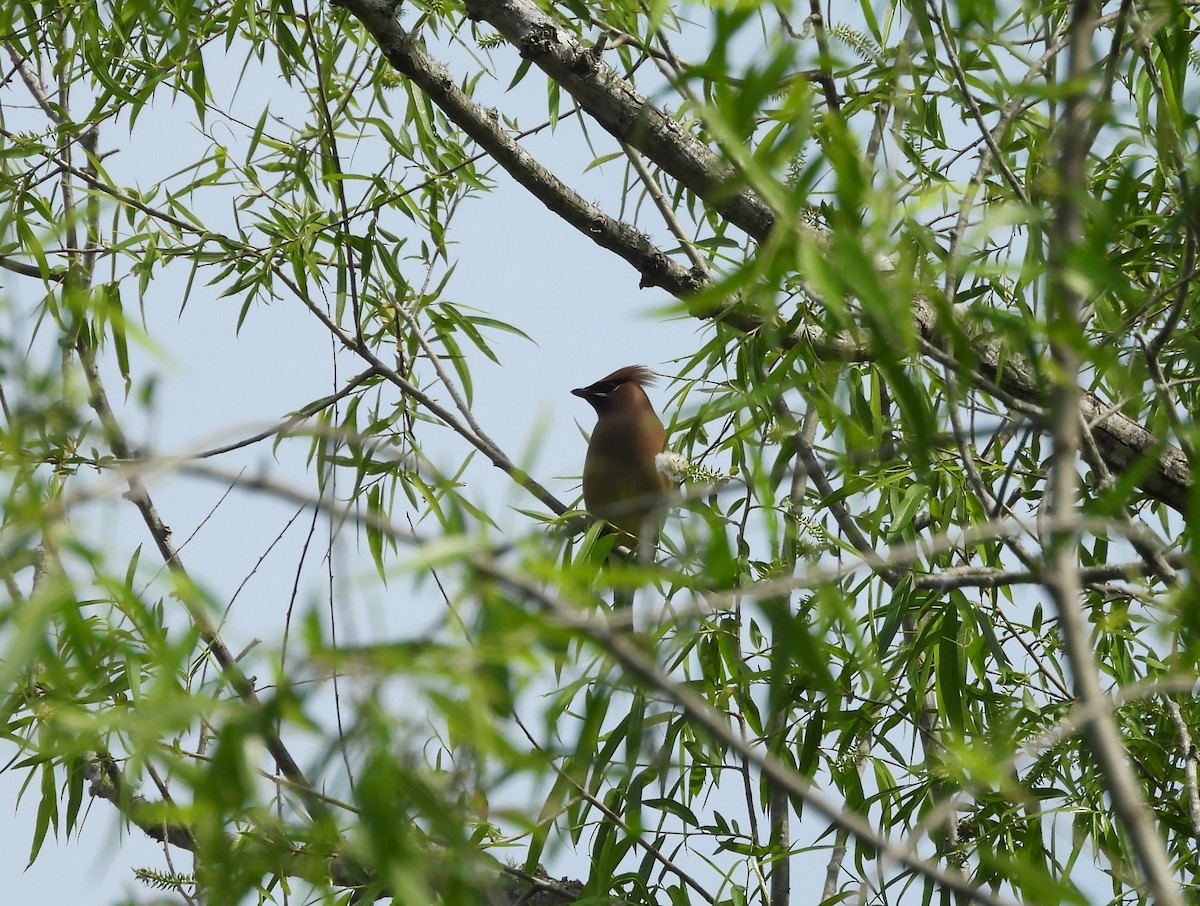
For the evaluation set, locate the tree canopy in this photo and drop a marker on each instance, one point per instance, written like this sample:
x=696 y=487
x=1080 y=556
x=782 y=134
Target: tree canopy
x=922 y=621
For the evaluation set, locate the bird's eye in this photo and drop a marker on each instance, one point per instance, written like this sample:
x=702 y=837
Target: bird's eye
x=606 y=387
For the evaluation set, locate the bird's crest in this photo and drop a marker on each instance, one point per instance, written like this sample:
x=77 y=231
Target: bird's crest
x=637 y=374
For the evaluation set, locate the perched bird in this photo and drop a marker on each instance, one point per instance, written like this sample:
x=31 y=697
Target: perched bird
x=621 y=483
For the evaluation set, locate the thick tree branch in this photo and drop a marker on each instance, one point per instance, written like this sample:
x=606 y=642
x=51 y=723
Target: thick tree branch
x=106 y=783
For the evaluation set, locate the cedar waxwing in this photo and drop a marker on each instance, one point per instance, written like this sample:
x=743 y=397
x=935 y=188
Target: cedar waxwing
x=621 y=483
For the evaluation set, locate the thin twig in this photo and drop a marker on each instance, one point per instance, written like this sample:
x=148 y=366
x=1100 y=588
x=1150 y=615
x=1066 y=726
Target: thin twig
x=824 y=58
x=665 y=209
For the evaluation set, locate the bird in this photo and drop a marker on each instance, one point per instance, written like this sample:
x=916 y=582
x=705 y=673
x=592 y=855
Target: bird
x=621 y=482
